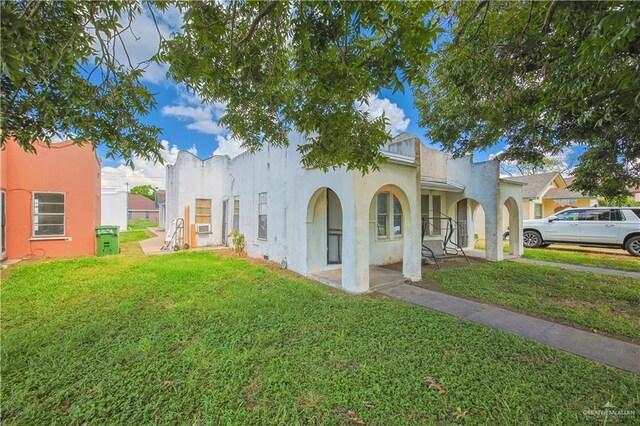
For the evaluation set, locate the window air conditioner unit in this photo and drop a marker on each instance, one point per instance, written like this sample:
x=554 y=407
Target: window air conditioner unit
x=203 y=228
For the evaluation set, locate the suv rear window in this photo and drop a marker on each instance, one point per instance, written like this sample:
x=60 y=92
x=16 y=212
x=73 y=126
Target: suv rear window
x=637 y=212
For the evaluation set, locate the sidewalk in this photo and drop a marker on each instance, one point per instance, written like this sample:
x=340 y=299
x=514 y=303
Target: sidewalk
x=578 y=267
x=153 y=246
x=606 y=350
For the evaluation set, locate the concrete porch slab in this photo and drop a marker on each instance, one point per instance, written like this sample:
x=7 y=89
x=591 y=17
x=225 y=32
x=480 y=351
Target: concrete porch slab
x=378 y=277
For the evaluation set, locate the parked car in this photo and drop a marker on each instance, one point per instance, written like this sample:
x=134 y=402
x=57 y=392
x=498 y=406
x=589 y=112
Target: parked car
x=617 y=227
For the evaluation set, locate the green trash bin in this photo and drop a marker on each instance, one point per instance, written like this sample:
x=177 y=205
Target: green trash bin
x=107 y=240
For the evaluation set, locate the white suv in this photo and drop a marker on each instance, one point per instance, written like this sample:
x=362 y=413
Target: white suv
x=595 y=226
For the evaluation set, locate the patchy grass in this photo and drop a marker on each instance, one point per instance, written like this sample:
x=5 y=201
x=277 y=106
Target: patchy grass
x=599 y=260
x=194 y=338
x=135 y=225
x=134 y=236
x=607 y=303
x=556 y=253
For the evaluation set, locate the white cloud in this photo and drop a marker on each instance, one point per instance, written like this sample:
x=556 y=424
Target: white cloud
x=398 y=123
x=229 y=145
x=202 y=117
x=145 y=172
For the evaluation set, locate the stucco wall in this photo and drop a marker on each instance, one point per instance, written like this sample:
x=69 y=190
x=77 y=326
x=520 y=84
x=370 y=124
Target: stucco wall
x=65 y=168
x=297 y=210
x=190 y=178
x=114 y=209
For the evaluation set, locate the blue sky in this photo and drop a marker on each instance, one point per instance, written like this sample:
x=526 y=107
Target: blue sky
x=187 y=124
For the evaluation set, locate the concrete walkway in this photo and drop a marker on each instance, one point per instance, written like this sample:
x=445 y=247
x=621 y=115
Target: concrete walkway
x=613 y=352
x=153 y=246
x=578 y=267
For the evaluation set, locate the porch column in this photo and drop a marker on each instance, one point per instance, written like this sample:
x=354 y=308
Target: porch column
x=412 y=245
x=493 y=231
x=515 y=231
x=355 y=246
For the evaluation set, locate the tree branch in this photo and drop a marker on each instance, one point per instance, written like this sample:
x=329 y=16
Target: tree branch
x=549 y=17
x=475 y=12
x=256 y=21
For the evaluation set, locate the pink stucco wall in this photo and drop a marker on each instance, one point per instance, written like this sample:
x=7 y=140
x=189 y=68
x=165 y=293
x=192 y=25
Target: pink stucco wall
x=62 y=167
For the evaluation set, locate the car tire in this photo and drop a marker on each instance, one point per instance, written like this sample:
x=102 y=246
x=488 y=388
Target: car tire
x=505 y=236
x=633 y=246
x=531 y=239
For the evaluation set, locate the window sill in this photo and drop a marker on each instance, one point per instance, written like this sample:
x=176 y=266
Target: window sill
x=52 y=238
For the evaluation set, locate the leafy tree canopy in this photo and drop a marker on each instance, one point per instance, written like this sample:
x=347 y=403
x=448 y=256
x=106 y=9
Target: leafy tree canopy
x=145 y=190
x=541 y=76
x=304 y=65
x=60 y=76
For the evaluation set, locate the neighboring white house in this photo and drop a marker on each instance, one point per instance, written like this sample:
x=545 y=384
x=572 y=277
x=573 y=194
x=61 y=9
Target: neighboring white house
x=114 y=208
x=311 y=221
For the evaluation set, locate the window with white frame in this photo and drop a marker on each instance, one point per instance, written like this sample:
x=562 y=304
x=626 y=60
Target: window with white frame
x=236 y=214
x=538 y=208
x=262 y=216
x=48 y=214
x=388 y=216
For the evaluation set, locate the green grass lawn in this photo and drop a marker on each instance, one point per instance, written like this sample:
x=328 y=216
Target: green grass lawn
x=194 y=338
x=608 y=303
x=557 y=254
x=134 y=236
x=135 y=225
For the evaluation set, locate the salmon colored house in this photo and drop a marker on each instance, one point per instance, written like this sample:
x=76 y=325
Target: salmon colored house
x=49 y=201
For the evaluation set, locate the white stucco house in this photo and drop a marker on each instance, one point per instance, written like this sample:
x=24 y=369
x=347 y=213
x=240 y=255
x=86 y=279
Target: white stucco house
x=113 y=208
x=310 y=221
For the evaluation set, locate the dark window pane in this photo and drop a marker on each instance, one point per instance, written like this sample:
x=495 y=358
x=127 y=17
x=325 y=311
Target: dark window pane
x=383 y=203
x=43 y=197
x=382 y=225
x=262 y=227
x=49 y=219
x=45 y=230
x=397 y=208
x=397 y=224
x=425 y=205
x=48 y=208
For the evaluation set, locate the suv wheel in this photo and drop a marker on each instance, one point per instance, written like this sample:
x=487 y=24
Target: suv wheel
x=633 y=246
x=531 y=239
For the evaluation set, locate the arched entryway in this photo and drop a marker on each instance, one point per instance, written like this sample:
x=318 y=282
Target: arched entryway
x=512 y=217
x=324 y=230
x=469 y=223
x=390 y=228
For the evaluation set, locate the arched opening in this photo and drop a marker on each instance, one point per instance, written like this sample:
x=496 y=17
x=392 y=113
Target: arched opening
x=469 y=224
x=324 y=230
x=511 y=216
x=390 y=228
